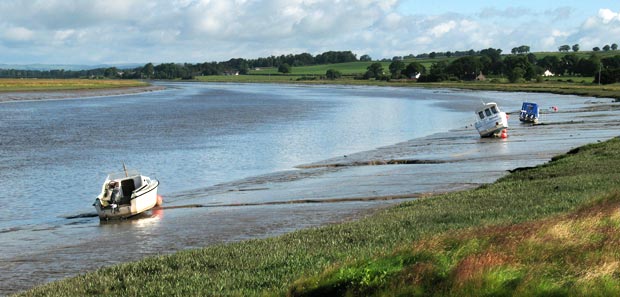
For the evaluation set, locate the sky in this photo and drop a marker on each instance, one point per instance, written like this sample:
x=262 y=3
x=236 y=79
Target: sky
x=91 y=32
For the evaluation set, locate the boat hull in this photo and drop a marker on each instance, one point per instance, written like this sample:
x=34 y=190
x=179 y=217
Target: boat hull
x=493 y=125
x=141 y=201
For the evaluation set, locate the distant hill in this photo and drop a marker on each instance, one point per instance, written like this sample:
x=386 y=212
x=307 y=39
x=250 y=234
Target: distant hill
x=47 y=67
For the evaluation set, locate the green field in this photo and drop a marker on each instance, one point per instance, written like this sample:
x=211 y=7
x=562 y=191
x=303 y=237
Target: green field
x=353 y=68
x=423 y=247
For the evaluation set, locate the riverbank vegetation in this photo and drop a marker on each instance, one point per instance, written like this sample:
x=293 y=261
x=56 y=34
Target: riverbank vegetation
x=548 y=230
x=15 y=85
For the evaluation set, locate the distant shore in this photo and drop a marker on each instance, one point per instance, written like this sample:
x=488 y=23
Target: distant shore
x=36 y=95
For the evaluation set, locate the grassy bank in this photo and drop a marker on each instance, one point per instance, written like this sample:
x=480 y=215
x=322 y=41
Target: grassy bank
x=15 y=85
x=575 y=254
x=554 y=85
x=378 y=254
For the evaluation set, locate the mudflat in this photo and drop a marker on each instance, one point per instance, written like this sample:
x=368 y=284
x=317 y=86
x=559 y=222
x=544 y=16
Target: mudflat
x=77 y=93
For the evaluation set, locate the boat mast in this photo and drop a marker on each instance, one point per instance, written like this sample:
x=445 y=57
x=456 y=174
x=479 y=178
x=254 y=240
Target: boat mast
x=125 y=169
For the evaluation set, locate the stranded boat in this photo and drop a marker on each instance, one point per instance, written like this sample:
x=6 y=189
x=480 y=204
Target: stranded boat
x=529 y=113
x=126 y=194
x=490 y=120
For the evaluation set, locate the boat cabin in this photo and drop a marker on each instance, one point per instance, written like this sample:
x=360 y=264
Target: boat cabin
x=490 y=120
x=126 y=182
x=529 y=112
x=489 y=110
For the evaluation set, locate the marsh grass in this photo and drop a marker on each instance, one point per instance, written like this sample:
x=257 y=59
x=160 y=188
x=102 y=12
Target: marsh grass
x=12 y=85
x=486 y=240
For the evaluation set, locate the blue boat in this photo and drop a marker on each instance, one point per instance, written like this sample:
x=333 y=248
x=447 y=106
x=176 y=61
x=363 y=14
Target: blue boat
x=529 y=112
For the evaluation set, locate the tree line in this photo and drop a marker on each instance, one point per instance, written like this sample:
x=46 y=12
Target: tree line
x=188 y=70
x=516 y=67
x=521 y=65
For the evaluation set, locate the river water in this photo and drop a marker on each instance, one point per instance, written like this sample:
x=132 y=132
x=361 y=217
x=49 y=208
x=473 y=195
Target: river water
x=55 y=154
x=198 y=140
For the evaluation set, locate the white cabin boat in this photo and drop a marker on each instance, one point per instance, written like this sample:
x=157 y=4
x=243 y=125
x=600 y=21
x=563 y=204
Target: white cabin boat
x=490 y=120
x=126 y=194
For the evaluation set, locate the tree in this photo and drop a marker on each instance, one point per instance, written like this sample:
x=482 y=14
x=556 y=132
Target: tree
x=375 y=70
x=465 y=67
x=588 y=66
x=614 y=46
x=365 y=58
x=111 y=72
x=332 y=74
x=413 y=69
x=524 y=49
x=148 y=70
x=396 y=68
x=437 y=73
x=516 y=74
x=491 y=60
x=569 y=64
x=432 y=55
x=606 y=48
x=564 y=48
x=244 y=68
x=284 y=68
x=551 y=63
x=575 y=47
x=596 y=48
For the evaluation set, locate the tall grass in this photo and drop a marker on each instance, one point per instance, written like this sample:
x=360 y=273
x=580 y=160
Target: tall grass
x=357 y=257
x=30 y=84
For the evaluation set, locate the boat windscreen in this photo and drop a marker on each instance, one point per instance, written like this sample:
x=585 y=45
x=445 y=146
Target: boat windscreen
x=122 y=174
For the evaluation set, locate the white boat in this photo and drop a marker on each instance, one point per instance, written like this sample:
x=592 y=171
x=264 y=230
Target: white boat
x=490 y=120
x=126 y=194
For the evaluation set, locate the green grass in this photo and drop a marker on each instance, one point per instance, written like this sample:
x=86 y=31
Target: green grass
x=574 y=254
x=12 y=85
x=395 y=248
x=351 y=68
x=553 y=85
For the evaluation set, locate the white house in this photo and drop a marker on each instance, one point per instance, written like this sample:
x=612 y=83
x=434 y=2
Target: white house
x=548 y=73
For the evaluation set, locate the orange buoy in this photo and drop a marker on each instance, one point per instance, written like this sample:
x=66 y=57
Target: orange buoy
x=160 y=200
x=504 y=134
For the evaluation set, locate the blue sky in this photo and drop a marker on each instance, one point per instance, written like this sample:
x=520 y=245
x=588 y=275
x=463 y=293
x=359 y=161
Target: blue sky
x=582 y=7
x=141 y=31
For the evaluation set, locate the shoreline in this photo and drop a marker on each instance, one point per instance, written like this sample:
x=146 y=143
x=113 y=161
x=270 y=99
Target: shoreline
x=380 y=177
x=240 y=261
x=585 y=90
x=41 y=95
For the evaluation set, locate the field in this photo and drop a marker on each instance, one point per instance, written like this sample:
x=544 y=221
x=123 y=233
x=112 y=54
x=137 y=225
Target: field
x=549 y=230
x=12 y=85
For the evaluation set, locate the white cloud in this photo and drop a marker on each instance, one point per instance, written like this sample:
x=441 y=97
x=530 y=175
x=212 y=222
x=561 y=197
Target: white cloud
x=18 y=34
x=607 y=15
x=99 y=31
x=443 y=28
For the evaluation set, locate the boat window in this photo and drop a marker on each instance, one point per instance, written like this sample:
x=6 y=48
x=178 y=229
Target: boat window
x=494 y=109
x=481 y=115
x=487 y=112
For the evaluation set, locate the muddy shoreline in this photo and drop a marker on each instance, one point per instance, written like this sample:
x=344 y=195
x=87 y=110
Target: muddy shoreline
x=70 y=94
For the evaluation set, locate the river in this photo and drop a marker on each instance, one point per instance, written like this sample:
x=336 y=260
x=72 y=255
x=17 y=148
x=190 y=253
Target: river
x=213 y=144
